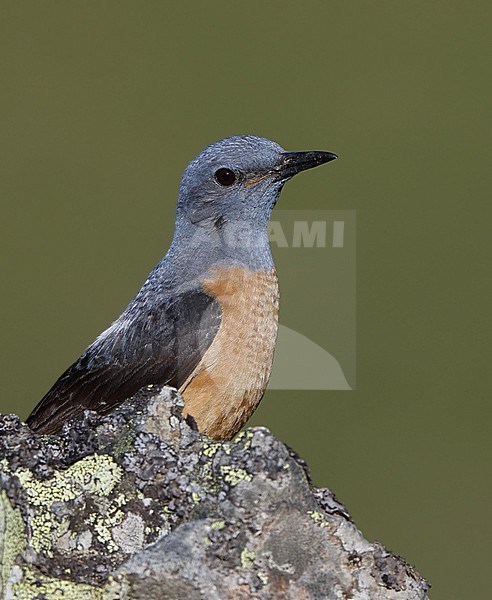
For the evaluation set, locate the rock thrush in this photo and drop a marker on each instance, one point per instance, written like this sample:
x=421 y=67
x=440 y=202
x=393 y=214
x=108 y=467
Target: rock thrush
x=205 y=320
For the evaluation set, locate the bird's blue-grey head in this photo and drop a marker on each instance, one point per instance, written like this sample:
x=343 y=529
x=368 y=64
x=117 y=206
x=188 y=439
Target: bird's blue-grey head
x=239 y=179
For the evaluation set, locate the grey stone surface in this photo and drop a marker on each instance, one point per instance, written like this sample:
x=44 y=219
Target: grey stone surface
x=137 y=504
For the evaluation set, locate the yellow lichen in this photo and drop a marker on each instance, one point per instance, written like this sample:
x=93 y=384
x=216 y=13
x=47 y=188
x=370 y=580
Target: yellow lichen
x=210 y=449
x=234 y=476
x=317 y=517
x=247 y=558
x=102 y=526
x=12 y=538
x=34 y=585
x=240 y=438
x=96 y=475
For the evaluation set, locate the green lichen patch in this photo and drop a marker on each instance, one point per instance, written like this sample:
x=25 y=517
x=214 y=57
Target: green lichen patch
x=35 y=585
x=210 y=449
x=247 y=558
x=12 y=537
x=102 y=526
x=96 y=475
x=244 y=438
x=318 y=518
x=233 y=476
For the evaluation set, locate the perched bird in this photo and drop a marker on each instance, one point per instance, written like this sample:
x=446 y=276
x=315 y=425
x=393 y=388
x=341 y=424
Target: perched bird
x=205 y=320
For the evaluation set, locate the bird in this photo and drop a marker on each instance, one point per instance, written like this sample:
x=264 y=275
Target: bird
x=205 y=320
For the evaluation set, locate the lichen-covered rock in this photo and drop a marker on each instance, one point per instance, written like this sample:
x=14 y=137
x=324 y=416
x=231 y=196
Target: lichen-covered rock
x=138 y=504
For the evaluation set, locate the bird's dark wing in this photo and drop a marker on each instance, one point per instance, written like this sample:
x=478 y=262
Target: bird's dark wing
x=161 y=344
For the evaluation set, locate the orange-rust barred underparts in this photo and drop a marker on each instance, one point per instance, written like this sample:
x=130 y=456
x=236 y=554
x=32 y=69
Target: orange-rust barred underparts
x=226 y=386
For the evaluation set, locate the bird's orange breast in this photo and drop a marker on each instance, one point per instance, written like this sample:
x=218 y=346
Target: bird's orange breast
x=228 y=383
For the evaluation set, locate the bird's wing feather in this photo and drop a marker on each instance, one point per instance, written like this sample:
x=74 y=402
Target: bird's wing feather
x=157 y=345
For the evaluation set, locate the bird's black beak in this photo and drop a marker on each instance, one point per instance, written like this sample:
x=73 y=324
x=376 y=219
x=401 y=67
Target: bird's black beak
x=291 y=163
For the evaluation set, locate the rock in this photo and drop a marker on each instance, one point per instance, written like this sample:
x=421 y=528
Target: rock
x=137 y=504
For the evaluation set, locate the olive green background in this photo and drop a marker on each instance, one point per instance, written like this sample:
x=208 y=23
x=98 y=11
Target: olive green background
x=102 y=104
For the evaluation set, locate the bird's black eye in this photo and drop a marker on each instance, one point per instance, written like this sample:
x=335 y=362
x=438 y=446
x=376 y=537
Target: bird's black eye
x=225 y=177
